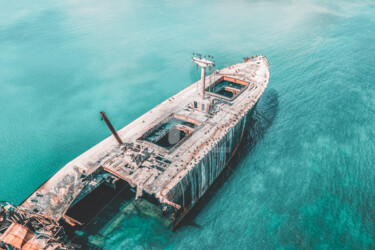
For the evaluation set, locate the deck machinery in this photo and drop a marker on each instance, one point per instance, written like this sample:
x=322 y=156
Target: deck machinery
x=171 y=154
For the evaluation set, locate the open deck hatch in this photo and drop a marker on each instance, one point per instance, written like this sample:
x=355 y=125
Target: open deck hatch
x=171 y=132
x=227 y=88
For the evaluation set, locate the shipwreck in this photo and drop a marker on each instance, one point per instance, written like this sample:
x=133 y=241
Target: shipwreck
x=167 y=158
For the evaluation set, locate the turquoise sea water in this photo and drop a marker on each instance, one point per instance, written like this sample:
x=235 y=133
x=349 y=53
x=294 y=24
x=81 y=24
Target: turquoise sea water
x=304 y=178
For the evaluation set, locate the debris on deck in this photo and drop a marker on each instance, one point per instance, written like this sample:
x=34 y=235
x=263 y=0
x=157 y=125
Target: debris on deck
x=22 y=229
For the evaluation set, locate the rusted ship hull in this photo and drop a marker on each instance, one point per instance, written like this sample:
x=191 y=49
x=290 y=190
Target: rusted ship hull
x=170 y=155
x=194 y=185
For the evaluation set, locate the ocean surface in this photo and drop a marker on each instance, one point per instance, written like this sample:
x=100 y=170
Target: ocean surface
x=305 y=175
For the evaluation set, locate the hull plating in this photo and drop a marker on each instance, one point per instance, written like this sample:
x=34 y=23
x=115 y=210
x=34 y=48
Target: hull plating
x=195 y=184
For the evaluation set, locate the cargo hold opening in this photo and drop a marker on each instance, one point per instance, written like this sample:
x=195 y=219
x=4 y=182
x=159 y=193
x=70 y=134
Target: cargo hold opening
x=91 y=213
x=227 y=88
x=171 y=132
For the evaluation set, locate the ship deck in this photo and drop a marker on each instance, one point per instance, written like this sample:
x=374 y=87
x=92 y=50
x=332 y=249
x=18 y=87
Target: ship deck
x=144 y=165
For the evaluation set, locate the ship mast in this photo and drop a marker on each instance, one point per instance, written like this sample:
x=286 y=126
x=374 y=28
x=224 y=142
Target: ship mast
x=203 y=63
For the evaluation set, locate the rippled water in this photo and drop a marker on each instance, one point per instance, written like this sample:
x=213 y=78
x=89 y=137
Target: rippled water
x=305 y=175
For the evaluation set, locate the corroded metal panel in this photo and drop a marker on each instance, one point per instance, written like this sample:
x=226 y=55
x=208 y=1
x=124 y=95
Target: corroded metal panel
x=15 y=235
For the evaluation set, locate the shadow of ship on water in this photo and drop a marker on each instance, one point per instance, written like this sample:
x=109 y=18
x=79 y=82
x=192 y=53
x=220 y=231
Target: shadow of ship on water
x=263 y=117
